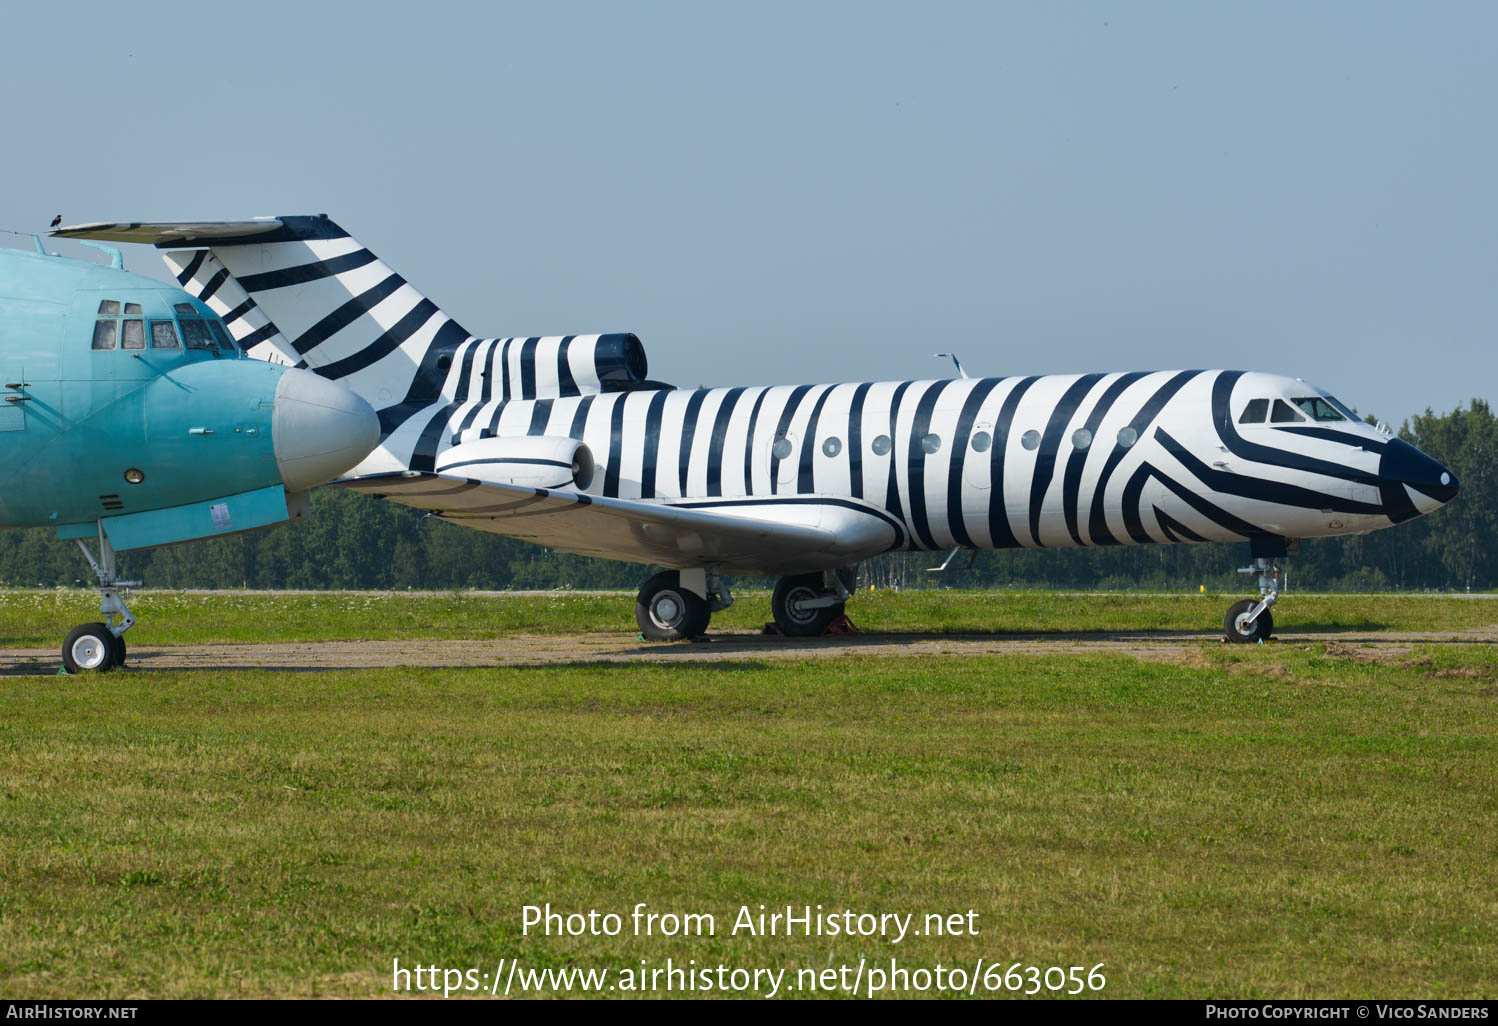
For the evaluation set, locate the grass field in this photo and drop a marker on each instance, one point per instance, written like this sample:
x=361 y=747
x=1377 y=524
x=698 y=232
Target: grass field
x=1306 y=819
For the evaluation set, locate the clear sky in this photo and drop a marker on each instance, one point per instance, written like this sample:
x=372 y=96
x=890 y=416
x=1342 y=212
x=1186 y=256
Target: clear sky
x=799 y=192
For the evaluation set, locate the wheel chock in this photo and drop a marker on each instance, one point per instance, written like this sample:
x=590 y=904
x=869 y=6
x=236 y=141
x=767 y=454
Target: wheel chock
x=772 y=630
x=841 y=627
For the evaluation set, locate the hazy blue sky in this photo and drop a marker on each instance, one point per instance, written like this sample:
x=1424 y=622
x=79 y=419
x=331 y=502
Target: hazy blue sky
x=813 y=191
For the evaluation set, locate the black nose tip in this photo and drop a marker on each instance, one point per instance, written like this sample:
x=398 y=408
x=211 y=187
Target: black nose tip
x=1404 y=464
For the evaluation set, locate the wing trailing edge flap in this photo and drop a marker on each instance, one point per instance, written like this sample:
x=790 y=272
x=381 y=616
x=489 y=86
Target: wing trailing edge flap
x=749 y=536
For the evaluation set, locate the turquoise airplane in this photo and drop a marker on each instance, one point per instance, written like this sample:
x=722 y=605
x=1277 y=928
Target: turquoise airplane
x=129 y=418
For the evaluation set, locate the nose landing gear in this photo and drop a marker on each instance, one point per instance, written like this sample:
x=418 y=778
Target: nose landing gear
x=1250 y=621
x=97 y=647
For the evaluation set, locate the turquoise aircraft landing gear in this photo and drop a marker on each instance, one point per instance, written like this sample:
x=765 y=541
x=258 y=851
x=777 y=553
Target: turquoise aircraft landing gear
x=97 y=647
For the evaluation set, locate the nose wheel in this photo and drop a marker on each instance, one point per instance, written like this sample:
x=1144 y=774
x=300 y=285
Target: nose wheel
x=100 y=646
x=1250 y=621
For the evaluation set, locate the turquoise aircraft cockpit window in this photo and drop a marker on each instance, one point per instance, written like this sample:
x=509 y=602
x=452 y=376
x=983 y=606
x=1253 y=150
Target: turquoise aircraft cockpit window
x=104 y=333
x=134 y=335
x=1284 y=413
x=195 y=333
x=225 y=342
x=185 y=310
x=1255 y=412
x=110 y=307
x=164 y=335
x=132 y=308
x=1319 y=409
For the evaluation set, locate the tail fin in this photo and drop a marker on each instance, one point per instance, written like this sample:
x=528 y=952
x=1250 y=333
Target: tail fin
x=310 y=295
x=307 y=293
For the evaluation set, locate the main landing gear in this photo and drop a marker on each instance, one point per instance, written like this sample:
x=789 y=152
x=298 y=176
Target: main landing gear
x=679 y=604
x=97 y=647
x=805 y=604
x=1250 y=621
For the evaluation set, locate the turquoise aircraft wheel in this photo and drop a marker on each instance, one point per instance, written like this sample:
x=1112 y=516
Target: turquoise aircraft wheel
x=90 y=648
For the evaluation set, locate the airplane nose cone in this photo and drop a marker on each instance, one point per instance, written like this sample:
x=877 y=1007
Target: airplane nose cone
x=1412 y=479
x=319 y=429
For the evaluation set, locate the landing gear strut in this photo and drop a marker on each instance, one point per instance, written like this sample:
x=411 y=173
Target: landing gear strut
x=805 y=604
x=679 y=604
x=1250 y=621
x=96 y=647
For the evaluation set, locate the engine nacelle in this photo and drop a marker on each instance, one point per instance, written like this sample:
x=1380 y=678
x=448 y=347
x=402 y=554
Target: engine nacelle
x=607 y=363
x=535 y=461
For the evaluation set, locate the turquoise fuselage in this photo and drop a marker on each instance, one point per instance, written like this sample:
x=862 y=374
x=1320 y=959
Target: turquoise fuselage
x=195 y=422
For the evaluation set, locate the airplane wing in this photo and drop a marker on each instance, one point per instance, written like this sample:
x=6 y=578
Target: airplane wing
x=766 y=535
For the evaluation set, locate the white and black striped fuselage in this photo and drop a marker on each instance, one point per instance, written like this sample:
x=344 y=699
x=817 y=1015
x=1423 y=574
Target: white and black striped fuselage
x=1045 y=461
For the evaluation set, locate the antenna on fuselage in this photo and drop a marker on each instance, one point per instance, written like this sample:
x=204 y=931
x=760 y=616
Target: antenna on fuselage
x=955 y=362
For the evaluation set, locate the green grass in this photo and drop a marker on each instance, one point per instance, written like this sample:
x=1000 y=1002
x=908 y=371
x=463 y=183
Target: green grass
x=42 y=618
x=1286 y=821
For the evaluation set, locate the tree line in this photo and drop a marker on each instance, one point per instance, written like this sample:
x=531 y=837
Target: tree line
x=356 y=541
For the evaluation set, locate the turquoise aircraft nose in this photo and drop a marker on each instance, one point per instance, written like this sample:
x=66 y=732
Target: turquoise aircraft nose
x=319 y=429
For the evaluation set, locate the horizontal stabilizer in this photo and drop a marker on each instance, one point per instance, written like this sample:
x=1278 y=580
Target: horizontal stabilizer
x=169 y=233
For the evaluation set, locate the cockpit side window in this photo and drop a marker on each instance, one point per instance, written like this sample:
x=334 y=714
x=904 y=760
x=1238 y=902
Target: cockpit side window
x=221 y=333
x=185 y=310
x=134 y=334
x=1255 y=412
x=1319 y=409
x=1284 y=413
x=164 y=335
x=105 y=332
x=195 y=333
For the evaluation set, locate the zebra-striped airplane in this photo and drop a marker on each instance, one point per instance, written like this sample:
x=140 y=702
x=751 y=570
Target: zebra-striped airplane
x=564 y=441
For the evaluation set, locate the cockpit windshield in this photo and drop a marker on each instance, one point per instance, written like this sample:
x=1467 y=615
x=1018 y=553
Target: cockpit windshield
x=1319 y=409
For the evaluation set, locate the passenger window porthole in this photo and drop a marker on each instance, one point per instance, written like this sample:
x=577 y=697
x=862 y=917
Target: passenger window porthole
x=1127 y=436
x=882 y=445
x=832 y=447
x=931 y=444
x=981 y=441
x=782 y=448
x=1030 y=439
x=1081 y=438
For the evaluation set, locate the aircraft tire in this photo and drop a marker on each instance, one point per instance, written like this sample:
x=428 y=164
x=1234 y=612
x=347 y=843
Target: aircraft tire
x=120 y=650
x=795 y=622
x=1259 y=630
x=666 y=611
x=90 y=648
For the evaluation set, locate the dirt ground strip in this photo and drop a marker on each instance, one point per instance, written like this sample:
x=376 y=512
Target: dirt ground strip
x=543 y=650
